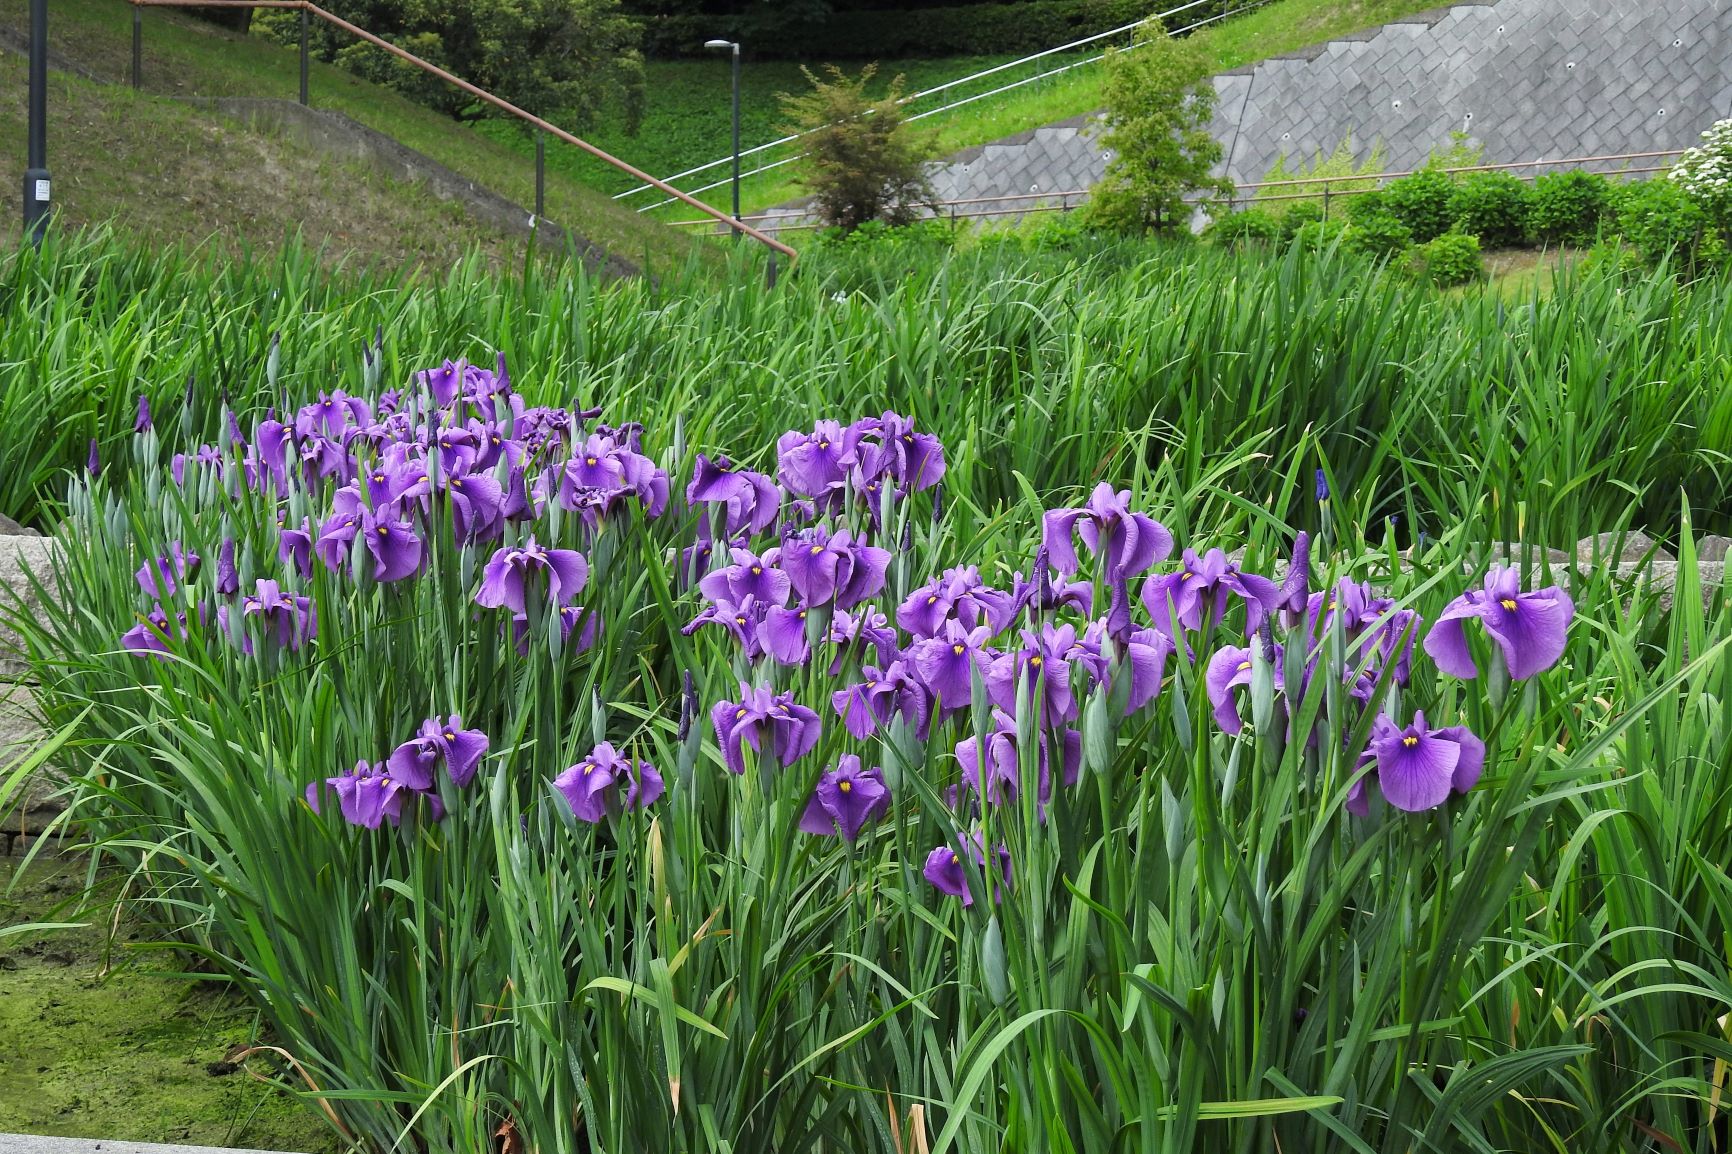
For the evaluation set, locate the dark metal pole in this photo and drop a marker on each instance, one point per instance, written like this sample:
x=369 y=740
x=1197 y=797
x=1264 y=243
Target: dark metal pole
x=303 y=57
x=137 y=46
x=737 y=139
x=540 y=174
x=36 y=184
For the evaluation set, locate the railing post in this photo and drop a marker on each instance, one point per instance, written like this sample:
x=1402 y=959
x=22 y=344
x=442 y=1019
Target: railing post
x=137 y=46
x=303 y=57
x=540 y=174
x=770 y=272
x=1326 y=200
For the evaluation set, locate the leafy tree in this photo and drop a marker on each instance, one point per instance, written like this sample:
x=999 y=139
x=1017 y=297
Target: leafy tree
x=1159 y=103
x=863 y=160
x=563 y=59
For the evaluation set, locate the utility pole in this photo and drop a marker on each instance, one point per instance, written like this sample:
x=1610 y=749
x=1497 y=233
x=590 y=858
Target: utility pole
x=36 y=183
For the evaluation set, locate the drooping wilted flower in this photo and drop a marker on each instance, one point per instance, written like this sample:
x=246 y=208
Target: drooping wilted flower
x=1375 y=630
x=1530 y=628
x=513 y=576
x=944 y=869
x=1419 y=767
x=440 y=741
x=1295 y=592
x=228 y=580
x=790 y=728
x=845 y=799
x=1195 y=597
x=603 y=779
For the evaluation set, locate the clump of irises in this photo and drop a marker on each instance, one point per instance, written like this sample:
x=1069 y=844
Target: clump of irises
x=792 y=571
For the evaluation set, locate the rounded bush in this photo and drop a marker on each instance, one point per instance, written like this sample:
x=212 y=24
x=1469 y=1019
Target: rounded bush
x=1365 y=204
x=1423 y=202
x=1378 y=234
x=1569 y=207
x=1492 y=206
x=1302 y=213
x=1451 y=259
x=1661 y=220
x=1253 y=226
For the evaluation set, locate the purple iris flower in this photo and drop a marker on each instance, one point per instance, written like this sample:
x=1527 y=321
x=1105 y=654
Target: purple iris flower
x=152 y=634
x=744 y=621
x=1372 y=626
x=1196 y=596
x=1530 y=628
x=141 y=423
x=1229 y=669
x=569 y=617
x=946 y=664
x=846 y=798
x=783 y=634
x=750 y=575
x=1044 y=663
x=395 y=479
x=917 y=459
x=1127 y=543
x=751 y=499
x=164 y=576
x=1419 y=767
x=809 y=464
x=393 y=544
x=228 y=580
x=93 y=460
x=1145 y=654
x=945 y=871
x=598 y=782
x=1048 y=595
x=330 y=416
x=869 y=704
x=993 y=770
x=1295 y=592
x=295 y=547
x=288 y=618
x=959 y=595
x=444 y=383
x=477 y=505
x=603 y=464
x=790 y=728
x=513 y=575
x=823 y=567
x=440 y=741
x=852 y=632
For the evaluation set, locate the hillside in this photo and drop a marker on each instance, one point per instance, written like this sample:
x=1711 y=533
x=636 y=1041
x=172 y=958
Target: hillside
x=252 y=187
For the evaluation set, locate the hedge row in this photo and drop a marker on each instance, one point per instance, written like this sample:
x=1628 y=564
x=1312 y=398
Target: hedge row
x=973 y=30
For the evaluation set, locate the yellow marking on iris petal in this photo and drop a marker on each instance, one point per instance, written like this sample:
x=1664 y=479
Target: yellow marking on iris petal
x=1509 y=604
x=757 y=570
x=845 y=786
x=740 y=620
x=955 y=858
x=1244 y=665
x=449 y=736
x=1185 y=576
x=740 y=714
x=588 y=769
x=589 y=460
x=957 y=649
x=932 y=600
x=823 y=444
x=817 y=549
x=1410 y=741
x=1035 y=661
x=384 y=530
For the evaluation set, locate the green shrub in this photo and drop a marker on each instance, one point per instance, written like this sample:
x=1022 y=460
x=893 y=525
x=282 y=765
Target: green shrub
x=1253 y=226
x=1568 y=207
x=877 y=234
x=1318 y=235
x=1298 y=217
x=1492 y=206
x=1450 y=259
x=1378 y=234
x=863 y=160
x=1363 y=204
x=1660 y=220
x=1704 y=173
x=1422 y=201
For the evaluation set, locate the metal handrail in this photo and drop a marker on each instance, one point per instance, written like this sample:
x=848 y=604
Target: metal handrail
x=912 y=97
x=482 y=94
x=795 y=224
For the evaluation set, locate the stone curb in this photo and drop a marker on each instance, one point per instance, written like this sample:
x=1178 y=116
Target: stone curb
x=32 y=1144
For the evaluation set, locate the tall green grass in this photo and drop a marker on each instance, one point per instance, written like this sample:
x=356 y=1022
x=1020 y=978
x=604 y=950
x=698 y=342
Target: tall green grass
x=1599 y=393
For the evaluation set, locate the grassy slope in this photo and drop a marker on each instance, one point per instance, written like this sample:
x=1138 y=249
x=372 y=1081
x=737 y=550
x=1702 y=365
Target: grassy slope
x=186 y=58
x=92 y=1045
x=686 y=122
x=172 y=174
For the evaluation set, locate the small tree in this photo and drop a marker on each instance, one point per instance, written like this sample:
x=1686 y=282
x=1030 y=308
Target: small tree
x=1159 y=104
x=863 y=160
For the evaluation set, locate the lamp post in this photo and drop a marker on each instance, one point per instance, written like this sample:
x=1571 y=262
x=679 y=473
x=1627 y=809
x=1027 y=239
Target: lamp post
x=36 y=185
x=734 y=47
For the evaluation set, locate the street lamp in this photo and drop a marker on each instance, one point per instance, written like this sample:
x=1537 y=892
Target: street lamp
x=36 y=187
x=733 y=47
